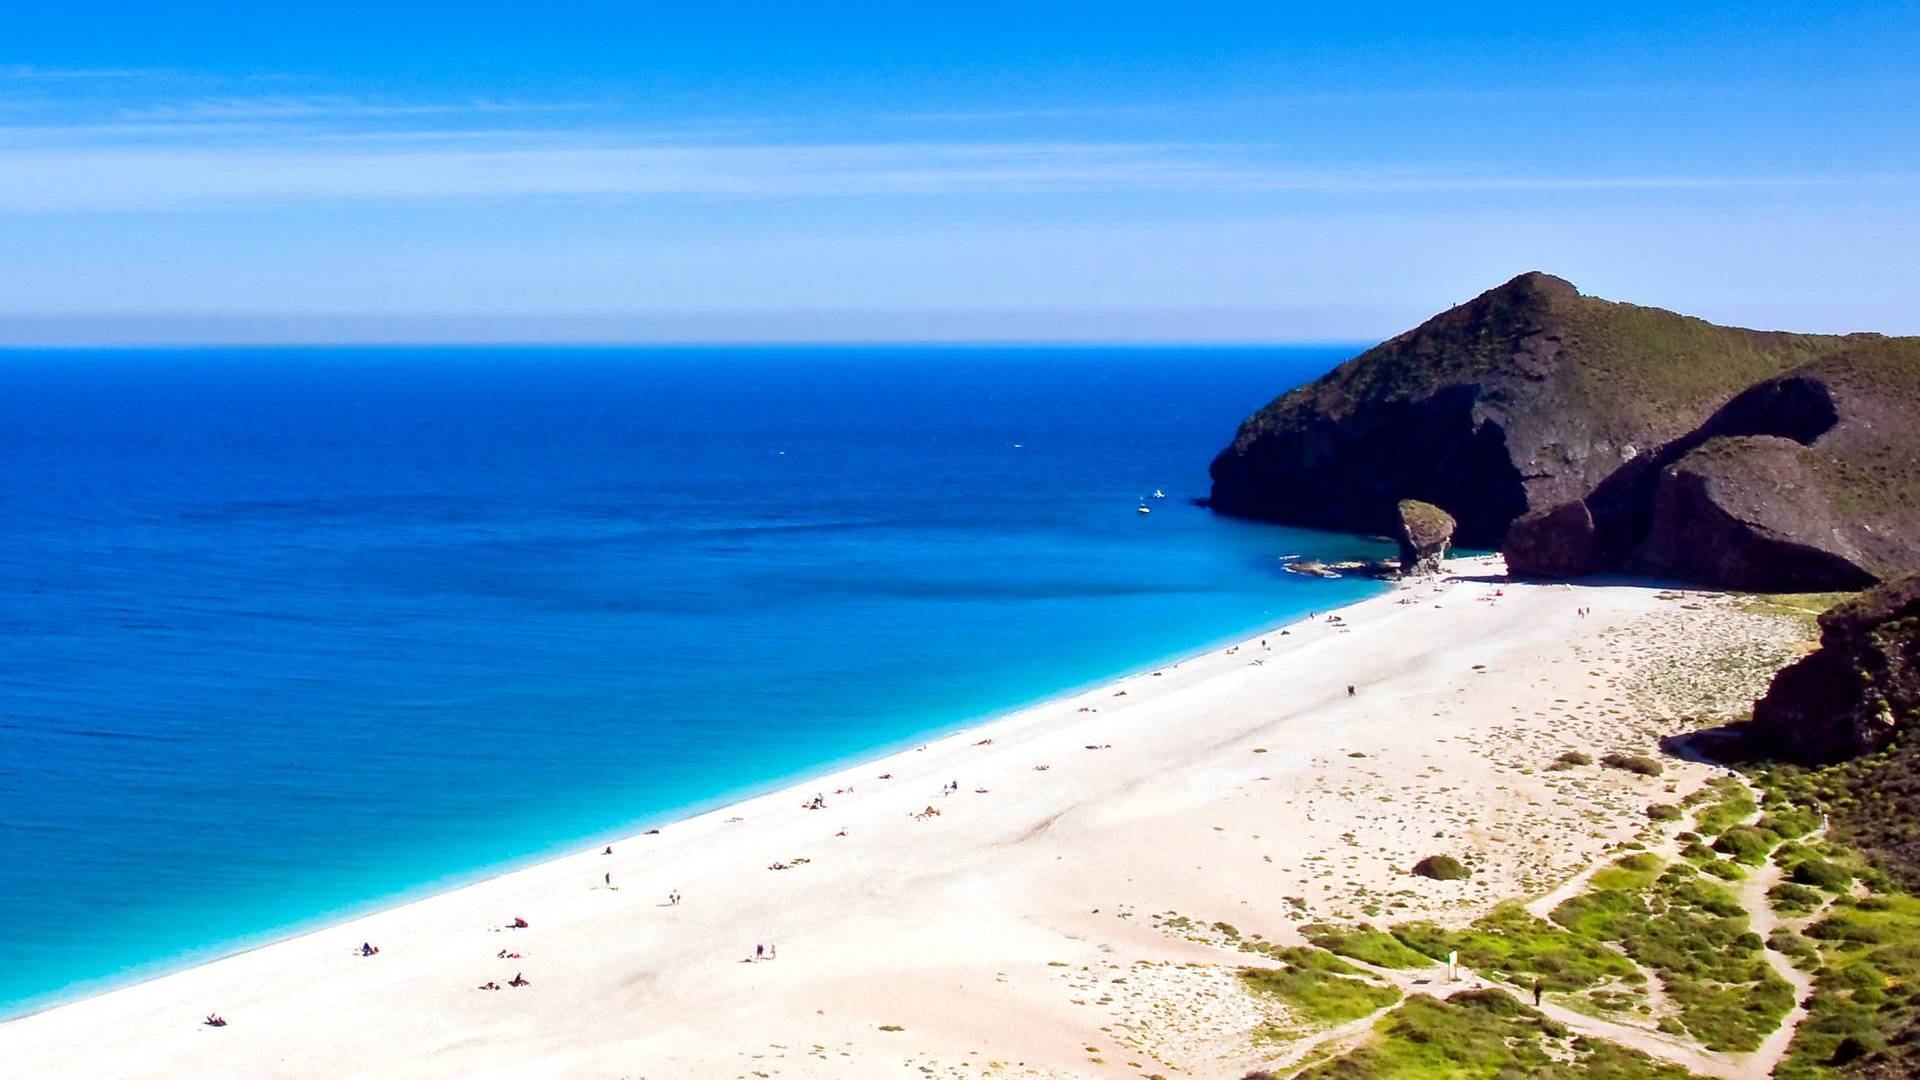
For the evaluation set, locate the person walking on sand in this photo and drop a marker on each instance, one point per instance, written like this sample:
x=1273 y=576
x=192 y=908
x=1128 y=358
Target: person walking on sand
x=607 y=877
x=759 y=952
x=1349 y=689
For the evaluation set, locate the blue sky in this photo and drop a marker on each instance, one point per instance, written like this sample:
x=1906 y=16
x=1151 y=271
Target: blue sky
x=640 y=171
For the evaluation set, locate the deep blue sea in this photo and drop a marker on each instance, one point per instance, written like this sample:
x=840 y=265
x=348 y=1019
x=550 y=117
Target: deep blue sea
x=290 y=634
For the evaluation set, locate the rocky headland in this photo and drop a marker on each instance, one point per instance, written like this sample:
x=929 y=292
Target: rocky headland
x=1583 y=436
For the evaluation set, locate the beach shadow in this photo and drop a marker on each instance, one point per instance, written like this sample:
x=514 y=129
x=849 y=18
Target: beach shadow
x=1734 y=745
x=1598 y=581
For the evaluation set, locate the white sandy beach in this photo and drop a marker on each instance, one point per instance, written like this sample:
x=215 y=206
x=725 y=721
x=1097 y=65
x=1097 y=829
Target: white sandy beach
x=1243 y=786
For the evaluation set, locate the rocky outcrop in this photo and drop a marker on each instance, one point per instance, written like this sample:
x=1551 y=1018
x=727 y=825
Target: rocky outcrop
x=1810 y=480
x=1523 y=398
x=1858 y=690
x=1559 y=543
x=1749 y=513
x=1425 y=532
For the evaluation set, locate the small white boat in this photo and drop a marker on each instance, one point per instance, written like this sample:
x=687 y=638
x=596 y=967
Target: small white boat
x=1158 y=494
x=1143 y=510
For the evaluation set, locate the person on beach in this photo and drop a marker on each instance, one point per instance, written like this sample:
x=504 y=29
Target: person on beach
x=773 y=952
x=1349 y=689
x=607 y=878
x=518 y=980
x=759 y=952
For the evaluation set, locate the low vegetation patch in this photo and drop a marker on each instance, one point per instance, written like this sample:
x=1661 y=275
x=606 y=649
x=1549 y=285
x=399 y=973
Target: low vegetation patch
x=1633 y=763
x=1866 y=996
x=1746 y=843
x=1484 y=1035
x=1635 y=871
x=1724 y=870
x=1795 y=948
x=1319 y=996
x=1793 y=900
x=1514 y=947
x=1728 y=802
x=1693 y=934
x=1822 y=874
x=1788 y=822
x=1865 y=951
x=1442 y=868
x=1367 y=945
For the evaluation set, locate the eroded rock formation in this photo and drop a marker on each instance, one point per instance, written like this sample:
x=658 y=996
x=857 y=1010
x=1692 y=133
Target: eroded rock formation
x=1425 y=532
x=1857 y=691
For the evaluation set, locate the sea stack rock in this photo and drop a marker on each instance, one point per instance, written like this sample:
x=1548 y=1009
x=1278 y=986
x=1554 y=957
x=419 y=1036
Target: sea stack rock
x=1852 y=694
x=1425 y=532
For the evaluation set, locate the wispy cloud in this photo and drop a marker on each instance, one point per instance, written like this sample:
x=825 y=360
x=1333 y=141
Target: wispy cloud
x=248 y=152
x=995 y=116
x=287 y=108
x=35 y=72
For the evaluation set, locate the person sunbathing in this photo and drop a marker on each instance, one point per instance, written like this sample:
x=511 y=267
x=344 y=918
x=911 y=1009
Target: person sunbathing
x=216 y=1020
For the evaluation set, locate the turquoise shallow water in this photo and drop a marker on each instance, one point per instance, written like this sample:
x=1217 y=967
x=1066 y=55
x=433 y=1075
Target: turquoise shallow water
x=286 y=635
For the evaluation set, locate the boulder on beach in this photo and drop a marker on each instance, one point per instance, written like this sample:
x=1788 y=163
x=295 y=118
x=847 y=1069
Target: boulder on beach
x=1425 y=532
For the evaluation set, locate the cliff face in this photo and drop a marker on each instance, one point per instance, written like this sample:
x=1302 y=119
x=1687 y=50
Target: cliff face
x=1524 y=398
x=1810 y=480
x=1858 y=691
